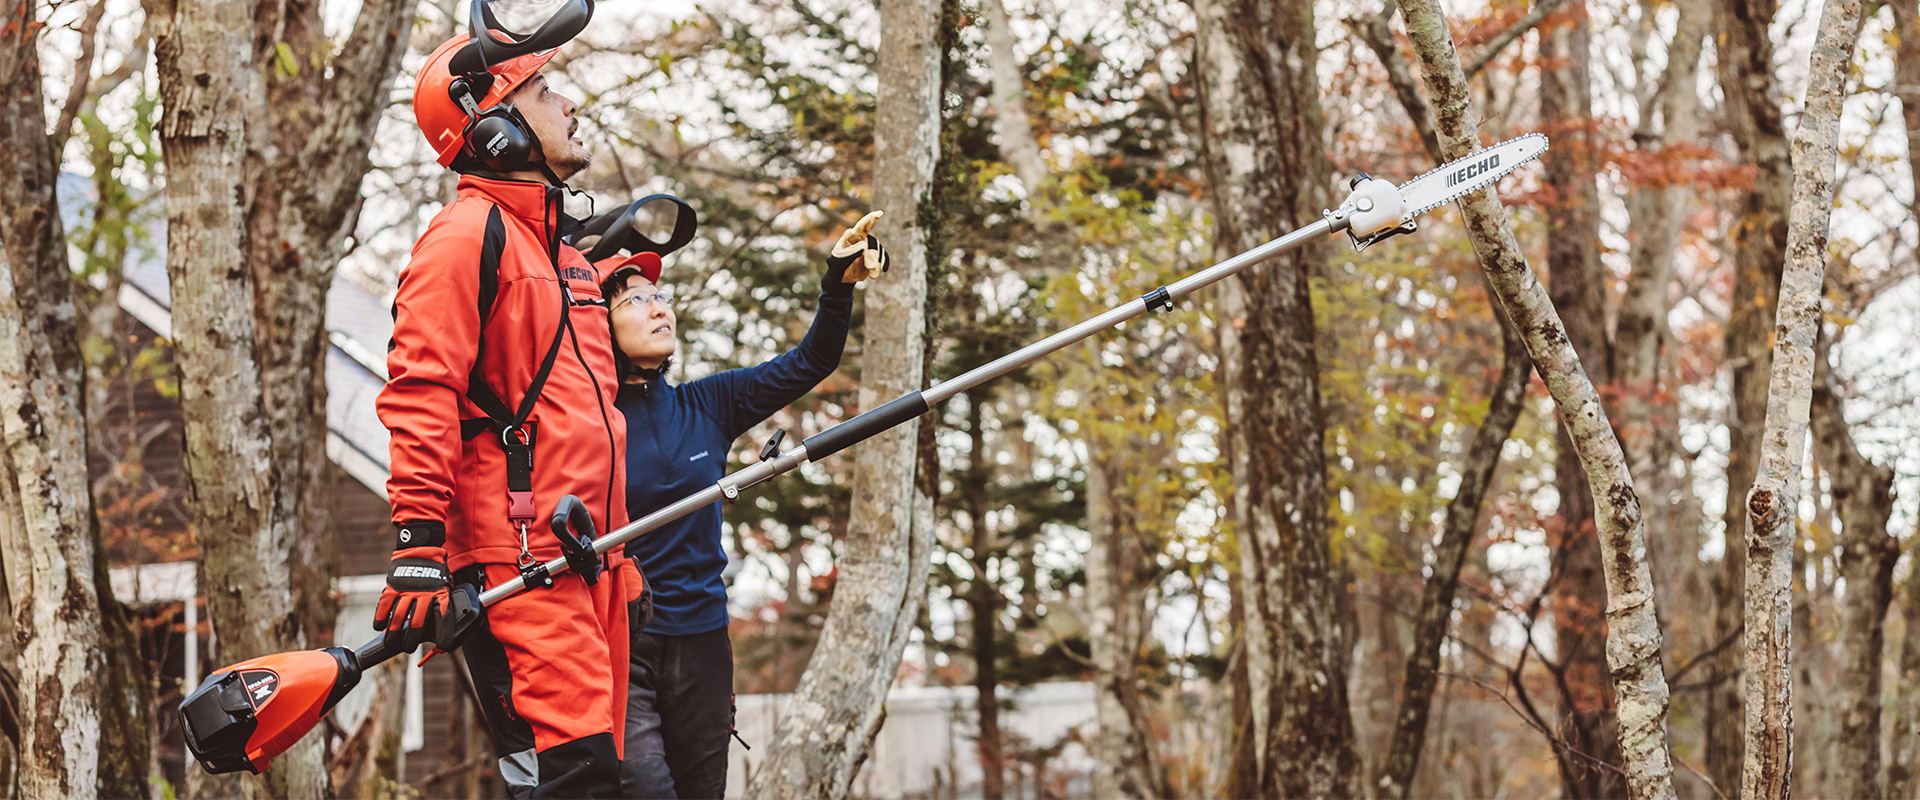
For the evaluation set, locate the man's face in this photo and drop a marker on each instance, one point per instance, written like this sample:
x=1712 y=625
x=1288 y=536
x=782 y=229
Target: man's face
x=550 y=115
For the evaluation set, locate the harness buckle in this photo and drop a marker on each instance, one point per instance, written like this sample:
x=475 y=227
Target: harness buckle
x=520 y=510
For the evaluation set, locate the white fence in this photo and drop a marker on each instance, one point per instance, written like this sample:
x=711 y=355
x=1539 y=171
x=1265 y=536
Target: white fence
x=926 y=746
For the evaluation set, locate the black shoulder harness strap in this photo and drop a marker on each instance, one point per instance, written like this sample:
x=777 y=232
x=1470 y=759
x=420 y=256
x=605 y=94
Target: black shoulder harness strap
x=511 y=424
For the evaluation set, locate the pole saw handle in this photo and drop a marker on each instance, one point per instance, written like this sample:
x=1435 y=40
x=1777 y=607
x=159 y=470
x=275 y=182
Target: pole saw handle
x=463 y=610
x=573 y=526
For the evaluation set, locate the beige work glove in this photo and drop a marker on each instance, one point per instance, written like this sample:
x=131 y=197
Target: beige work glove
x=858 y=241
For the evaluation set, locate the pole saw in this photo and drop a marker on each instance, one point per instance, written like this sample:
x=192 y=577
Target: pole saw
x=244 y=715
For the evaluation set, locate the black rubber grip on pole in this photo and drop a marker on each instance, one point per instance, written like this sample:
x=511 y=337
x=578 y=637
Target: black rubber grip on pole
x=374 y=652
x=863 y=427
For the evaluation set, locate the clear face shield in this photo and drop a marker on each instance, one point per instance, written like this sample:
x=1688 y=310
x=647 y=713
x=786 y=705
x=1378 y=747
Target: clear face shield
x=657 y=223
x=503 y=30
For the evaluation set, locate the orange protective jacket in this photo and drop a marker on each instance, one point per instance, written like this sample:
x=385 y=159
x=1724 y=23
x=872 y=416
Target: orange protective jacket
x=446 y=465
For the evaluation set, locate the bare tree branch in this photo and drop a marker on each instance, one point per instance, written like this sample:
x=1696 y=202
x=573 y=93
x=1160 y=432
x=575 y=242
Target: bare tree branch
x=82 y=73
x=1541 y=10
x=834 y=29
x=1377 y=32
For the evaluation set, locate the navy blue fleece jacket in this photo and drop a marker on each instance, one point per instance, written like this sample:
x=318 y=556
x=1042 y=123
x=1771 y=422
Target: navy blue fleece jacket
x=677 y=442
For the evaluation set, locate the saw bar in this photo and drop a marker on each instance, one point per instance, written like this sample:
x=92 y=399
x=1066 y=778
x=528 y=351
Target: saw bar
x=1457 y=179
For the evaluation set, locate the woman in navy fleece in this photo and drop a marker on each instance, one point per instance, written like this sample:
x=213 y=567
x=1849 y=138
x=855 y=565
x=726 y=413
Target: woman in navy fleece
x=680 y=695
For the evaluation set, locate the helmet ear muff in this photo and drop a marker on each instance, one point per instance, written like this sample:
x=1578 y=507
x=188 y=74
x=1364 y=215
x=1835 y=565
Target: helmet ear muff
x=497 y=137
x=500 y=139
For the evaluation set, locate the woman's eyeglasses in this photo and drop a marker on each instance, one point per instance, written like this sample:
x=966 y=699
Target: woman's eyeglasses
x=643 y=297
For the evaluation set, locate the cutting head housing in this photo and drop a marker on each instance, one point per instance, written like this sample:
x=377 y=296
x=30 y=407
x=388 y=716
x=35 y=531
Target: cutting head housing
x=244 y=716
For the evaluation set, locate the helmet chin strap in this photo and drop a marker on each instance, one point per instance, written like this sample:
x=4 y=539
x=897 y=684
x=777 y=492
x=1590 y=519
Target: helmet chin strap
x=540 y=152
x=651 y=374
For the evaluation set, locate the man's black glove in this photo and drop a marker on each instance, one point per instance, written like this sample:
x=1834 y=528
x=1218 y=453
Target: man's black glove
x=418 y=591
x=856 y=256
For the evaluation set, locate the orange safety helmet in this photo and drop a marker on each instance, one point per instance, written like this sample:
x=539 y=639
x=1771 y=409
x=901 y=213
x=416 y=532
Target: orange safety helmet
x=441 y=119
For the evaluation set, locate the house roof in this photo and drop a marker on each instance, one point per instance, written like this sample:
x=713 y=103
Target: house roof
x=358 y=327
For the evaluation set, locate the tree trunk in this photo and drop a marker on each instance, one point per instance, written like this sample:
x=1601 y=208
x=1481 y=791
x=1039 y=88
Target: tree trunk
x=1127 y=764
x=264 y=165
x=1752 y=114
x=1658 y=210
x=1268 y=172
x=1649 y=419
x=1436 y=599
x=1246 y=736
x=204 y=52
x=1863 y=491
x=1773 y=504
x=1010 y=120
x=303 y=181
x=1507 y=400
x=1903 y=775
x=1813 y=719
x=1243 y=760
x=76 y=722
x=1576 y=284
x=983 y=601
x=1633 y=633
x=834 y=713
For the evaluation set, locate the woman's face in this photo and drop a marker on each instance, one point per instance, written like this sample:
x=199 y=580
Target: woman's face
x=644 y=331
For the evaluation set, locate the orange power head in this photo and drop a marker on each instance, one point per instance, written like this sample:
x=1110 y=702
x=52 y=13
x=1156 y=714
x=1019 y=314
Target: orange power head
x=244 y=716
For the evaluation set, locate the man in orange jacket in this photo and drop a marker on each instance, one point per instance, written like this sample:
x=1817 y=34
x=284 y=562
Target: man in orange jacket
x=500 y=402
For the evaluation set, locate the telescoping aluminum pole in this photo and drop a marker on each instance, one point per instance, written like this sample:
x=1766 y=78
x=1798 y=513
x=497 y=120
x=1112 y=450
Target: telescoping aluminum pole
x=245 y=715
x=911 y=405
x=1374 y=207
x=1374 y=211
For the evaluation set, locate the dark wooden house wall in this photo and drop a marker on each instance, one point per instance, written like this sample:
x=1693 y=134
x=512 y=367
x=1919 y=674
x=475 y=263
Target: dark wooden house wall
x=153 y=527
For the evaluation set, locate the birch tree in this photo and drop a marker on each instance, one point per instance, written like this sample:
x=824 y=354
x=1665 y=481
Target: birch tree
x=1773 y=504
x=831 y=718
x=1434 y=614
x=76 y=723
x=266 y=129
x=1267 y=168
x=1633 y=631
x=1759 y=232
